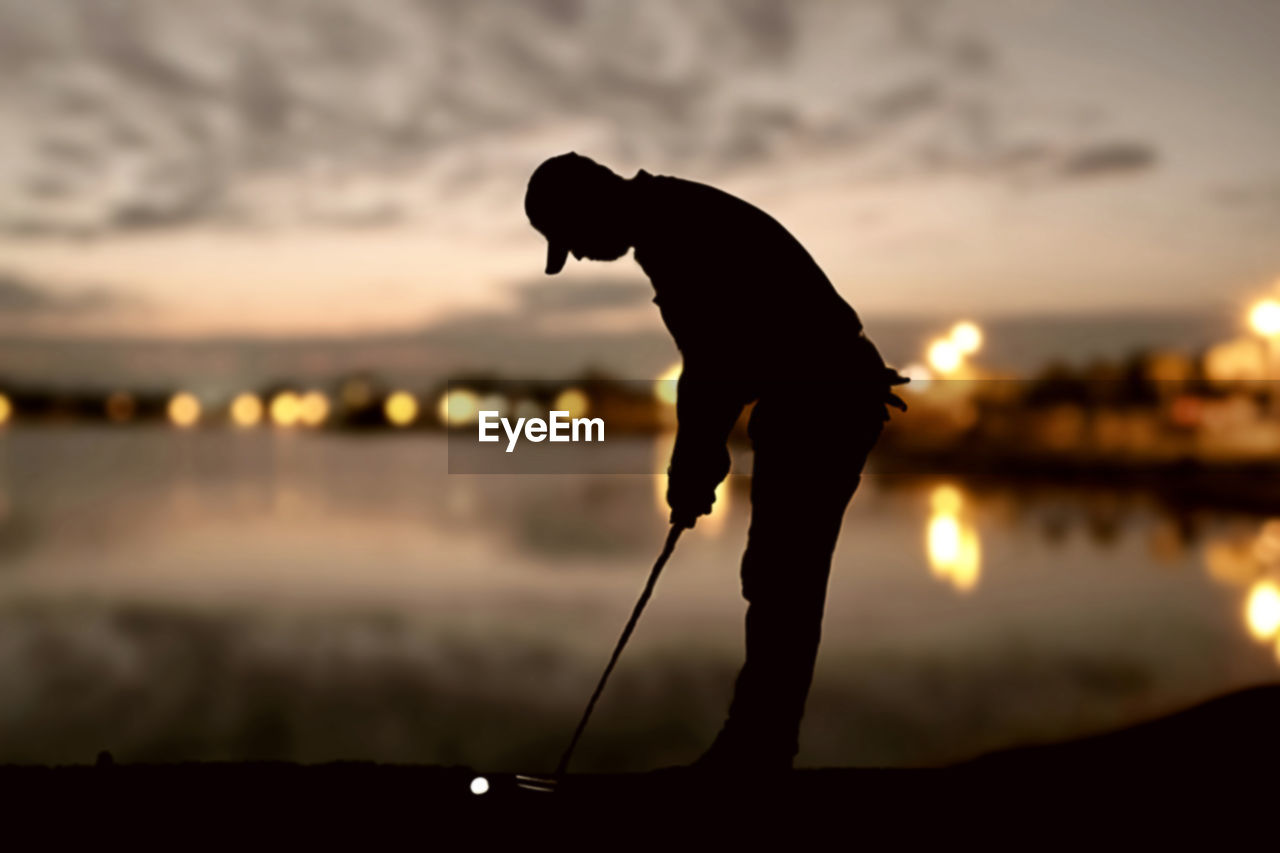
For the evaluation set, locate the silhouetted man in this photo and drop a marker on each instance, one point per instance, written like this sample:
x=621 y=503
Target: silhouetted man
x=755 y=319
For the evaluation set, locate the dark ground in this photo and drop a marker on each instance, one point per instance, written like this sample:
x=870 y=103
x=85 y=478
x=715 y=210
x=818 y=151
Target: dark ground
x=1209 y=768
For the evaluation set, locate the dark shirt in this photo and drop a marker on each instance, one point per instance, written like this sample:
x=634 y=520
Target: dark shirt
x=750 y=310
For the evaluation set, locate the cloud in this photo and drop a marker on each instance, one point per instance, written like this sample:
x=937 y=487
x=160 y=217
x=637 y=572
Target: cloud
x=1108 y=159
x=1261 y=195
x=137 y=115
x=21 y=298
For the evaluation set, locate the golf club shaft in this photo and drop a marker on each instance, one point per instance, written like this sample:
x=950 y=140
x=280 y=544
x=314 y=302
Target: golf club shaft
x=667 y=548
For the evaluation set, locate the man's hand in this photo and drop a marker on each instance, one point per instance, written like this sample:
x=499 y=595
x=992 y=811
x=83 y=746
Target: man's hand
x=691 y=489
x=684 y=520
x=688 y=501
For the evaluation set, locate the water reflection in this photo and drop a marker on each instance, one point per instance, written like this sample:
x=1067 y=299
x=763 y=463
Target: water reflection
x=1251 y=561
x=1262 y=610
x=955 y=552
x=350 y=599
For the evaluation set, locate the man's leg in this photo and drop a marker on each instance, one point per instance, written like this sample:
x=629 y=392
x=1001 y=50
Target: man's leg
x=799 y=493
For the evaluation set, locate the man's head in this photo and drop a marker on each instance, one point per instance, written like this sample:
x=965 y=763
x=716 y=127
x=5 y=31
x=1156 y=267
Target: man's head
x=579 y=206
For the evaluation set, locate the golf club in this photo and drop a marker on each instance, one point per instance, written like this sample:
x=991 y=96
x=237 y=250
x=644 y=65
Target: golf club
x=537 y=783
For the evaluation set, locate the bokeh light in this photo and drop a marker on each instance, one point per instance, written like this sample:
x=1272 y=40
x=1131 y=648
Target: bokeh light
x=946 y=499
x=6 y=410
x=313 y=408
x=184 y=409
x=1262 y=610
x=286 y=409
x=246 y=410
x=966 y=337
x=952 y=545
x=944 y=356
x=573 y=401
x=479 y=785
x=401 y=408
x=494 y=403
x=457 y=407
x=1265 y=318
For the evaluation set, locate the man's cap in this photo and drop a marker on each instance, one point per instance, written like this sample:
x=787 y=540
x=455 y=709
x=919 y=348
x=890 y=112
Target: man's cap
x=558 y=191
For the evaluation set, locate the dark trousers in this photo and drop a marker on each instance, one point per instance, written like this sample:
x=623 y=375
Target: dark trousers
x=804 y=475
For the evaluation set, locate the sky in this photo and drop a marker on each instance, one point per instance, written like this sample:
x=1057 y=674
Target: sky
x=175 y=168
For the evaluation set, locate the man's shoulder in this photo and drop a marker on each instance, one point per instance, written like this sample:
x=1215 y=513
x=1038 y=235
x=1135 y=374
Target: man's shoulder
x=670 y=186
x=679 y=202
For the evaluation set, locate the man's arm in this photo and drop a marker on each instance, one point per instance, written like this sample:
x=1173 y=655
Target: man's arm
x=707 y=407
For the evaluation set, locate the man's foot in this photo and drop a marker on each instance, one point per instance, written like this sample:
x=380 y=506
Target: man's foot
x=726 y=758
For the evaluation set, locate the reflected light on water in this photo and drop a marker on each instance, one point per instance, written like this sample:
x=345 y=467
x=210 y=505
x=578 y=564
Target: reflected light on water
x=1262 y=610
x=184 y=409
x=955 y=553
x=1266 y=548
x=1230 y=562
x=946 y=500
x=664 y=388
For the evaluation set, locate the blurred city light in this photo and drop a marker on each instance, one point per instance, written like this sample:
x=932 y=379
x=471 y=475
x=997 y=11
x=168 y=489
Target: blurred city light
x=1265 y=318
x=966 y=337
x=402 y=409
x=573 y=401
x=493 y=403
x=1242 y=358
x=458 y=407
x=184 y=409
x=286 y=409
x=120 y=406
x=479 y=785
x=6 y=410
x=944 y=356
x=1262 y=609
x=313 y=408
x=246 y=410
x=527 y=409
x=664 y=388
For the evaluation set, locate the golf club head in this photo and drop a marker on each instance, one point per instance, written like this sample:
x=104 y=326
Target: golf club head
x=541 y=784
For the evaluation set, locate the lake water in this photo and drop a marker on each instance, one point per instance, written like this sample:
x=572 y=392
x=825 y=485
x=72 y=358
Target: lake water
x=209 y=595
